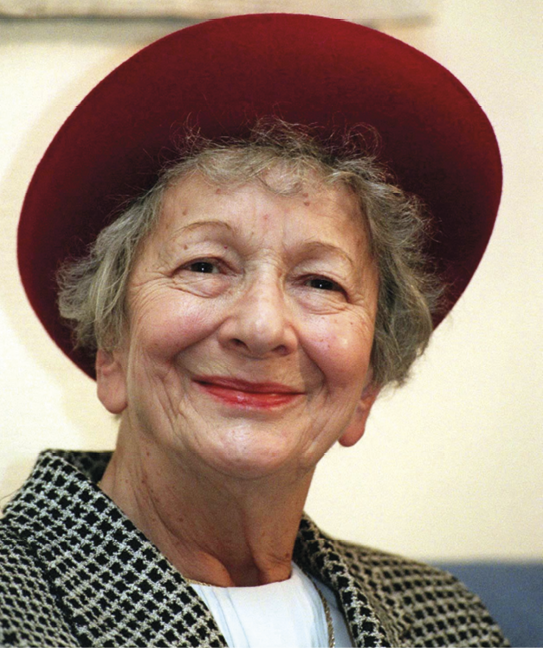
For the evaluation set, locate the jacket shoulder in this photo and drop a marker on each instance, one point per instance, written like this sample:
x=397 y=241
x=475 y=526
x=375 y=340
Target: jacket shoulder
x=29 y=614
x=435 y=608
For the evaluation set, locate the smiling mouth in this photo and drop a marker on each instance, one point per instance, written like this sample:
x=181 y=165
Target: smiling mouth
x=242 y=393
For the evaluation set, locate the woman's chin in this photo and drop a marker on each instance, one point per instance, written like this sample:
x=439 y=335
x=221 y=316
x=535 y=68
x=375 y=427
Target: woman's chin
x=254 y=459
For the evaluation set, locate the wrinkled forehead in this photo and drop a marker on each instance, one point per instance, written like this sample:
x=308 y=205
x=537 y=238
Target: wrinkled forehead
x=306 y=181
x=282 y=171
x=302 y=187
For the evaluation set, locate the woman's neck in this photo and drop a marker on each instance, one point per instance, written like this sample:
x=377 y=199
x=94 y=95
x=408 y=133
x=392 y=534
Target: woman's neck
x=212 y=528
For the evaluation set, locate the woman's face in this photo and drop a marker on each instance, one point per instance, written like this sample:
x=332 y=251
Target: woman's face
x=251 y=321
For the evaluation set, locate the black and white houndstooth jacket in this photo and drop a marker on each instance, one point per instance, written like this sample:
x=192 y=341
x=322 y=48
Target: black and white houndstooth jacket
x=74 y=571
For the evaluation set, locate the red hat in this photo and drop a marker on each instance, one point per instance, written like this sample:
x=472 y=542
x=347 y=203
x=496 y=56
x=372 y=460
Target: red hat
x=223 y=74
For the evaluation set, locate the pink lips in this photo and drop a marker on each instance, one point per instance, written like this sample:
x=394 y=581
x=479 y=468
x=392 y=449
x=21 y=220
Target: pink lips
x=242 y=393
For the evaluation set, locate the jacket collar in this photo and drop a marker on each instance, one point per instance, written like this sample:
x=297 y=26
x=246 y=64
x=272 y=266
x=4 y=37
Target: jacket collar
x=348 y=571
x=115 y=588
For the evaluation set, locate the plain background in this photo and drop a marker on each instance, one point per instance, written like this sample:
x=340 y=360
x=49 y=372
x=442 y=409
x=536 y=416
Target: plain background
x=451 y=464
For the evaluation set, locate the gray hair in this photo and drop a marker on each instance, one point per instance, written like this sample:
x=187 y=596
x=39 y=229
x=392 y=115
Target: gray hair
x=92 y=290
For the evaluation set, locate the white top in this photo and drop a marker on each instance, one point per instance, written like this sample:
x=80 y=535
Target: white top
x=289 y=613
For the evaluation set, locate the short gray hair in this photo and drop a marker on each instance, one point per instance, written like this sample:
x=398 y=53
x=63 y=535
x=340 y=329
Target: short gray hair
x=92 y=290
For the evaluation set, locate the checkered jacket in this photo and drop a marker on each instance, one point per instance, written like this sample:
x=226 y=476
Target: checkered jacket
x=74 y=571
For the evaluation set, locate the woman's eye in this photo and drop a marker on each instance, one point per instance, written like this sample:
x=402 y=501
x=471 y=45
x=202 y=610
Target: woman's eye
x=204 y=267
x=320 y=283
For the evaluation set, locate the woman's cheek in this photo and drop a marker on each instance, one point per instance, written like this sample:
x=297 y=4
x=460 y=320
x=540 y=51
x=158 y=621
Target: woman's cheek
x=341 y=349
x=179 y=321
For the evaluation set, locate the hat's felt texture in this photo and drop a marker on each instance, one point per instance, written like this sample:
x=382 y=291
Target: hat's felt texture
x=220 y=76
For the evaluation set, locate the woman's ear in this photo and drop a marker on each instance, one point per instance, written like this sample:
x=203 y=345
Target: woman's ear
x=111 y=381
x=356 y=428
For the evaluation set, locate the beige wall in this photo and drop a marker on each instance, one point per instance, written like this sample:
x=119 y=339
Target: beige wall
x=451 y=465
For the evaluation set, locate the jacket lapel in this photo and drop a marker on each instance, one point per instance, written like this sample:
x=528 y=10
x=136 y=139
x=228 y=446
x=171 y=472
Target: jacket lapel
x=113 y=587
x=323 y=557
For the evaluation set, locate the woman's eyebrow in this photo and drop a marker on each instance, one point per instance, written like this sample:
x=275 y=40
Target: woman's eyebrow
x=174 y=240
x=329 y=249
x=204 y=224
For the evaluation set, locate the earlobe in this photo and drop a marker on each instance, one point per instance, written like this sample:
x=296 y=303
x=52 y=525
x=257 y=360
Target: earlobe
x=110 y=381
x=356 y=428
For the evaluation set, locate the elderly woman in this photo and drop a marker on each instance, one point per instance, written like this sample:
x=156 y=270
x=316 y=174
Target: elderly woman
x=244 y=266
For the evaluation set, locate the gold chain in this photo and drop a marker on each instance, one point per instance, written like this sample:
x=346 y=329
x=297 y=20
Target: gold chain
x=328 y=615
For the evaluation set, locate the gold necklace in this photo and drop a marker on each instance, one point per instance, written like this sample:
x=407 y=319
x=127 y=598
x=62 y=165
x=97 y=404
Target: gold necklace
x=328 y=615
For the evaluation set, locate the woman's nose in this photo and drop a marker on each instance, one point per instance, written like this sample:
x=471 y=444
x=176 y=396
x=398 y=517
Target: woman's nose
x=260 y=323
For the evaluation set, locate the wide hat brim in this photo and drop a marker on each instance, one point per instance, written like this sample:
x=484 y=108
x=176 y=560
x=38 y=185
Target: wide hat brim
x=221 y=76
